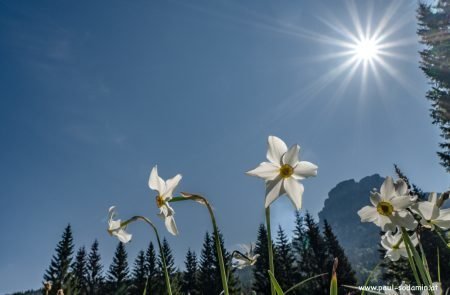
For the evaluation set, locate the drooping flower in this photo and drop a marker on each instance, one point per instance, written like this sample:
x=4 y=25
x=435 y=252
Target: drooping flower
x=248 y=259
x=115 y=227
x=283 y=172
x=165 y=190
x=395 y=246
x=389 y=206
x=431 y=215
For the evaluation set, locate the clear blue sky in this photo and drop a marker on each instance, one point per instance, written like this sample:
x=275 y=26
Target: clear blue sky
x=94 y=94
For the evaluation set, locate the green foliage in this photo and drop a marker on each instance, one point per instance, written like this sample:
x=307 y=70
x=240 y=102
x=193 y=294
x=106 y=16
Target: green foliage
x=94 y=270
x=434 y=21
x=171 y=269
x=284 y=260
x=207 y=266
x=80 y=272
x=139 y=274
x=315 y=260
x=151 y=268
x=261 y=283
x=118 y=274
x=334 y=250
x=58 y=271
x=190 y=276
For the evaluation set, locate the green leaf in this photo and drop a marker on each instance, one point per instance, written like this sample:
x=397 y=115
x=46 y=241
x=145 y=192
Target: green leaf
x=145 y=289
x=333 y=285
x=370 y=276
x=275 y=284
x=417 y=259
x=303 y=282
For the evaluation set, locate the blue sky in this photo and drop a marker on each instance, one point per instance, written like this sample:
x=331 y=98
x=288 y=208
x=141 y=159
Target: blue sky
x=94 y=95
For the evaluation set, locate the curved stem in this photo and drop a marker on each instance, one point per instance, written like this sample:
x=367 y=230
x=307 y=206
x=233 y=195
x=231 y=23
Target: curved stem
x=230 y=265
x=205 y=202
x=269 y=247
x=161 y=251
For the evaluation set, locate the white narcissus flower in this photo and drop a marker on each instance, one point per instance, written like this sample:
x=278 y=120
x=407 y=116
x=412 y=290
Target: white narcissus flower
x=165 y=190
x=283 y=172
x=431 y=215
x=115 y=227
x=389 y=206
x=395 y=246
x=242 y=261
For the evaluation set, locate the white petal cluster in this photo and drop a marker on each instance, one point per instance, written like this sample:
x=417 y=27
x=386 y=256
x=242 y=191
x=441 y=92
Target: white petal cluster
x=390 y=207
x=165 y=190
x=115 y=227
x=430 y=213
x=394 y=208
x=283 y=172
x=394 y=245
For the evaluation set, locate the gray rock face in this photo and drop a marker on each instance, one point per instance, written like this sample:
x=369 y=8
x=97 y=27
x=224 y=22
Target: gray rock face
x=359 y=240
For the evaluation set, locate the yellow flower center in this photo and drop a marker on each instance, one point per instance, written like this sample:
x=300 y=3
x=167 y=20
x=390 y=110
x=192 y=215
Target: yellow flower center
x=286 y=171
x=159 y=201
x=385 y=208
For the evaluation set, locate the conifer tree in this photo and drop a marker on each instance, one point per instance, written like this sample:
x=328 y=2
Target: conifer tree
x=80 y=272
x=139 y=274
x=414 y=190
x=94 y=270
x=334 y=250
x=300 y=246
x=284 y=260
x=171 y=269
x=151 y=268
x=315 y=260
x=118 y=274
x=58 y=271
x=190 y=275
x=207 y=267
x=434 y=21
x=261 y=283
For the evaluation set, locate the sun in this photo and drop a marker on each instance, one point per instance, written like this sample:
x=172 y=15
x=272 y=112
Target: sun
x=366 y=49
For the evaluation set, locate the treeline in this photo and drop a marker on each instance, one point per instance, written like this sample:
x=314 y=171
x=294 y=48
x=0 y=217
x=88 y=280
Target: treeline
x=310 y=252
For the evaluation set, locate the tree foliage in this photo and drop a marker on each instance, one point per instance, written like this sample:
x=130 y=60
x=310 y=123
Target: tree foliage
x=59 y=270
x=434 y=23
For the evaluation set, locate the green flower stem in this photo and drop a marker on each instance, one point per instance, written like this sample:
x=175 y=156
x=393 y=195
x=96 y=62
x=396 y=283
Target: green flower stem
x=371 y=274
x=417 y=260
x=269 y=246
x=146 y=220
x=438 y=231
x=205 y=202
x=438 y=265
x=304 y=282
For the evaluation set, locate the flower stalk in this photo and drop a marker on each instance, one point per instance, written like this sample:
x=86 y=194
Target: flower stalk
x=163 y=257
x=204 y=201
x=269 y=247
